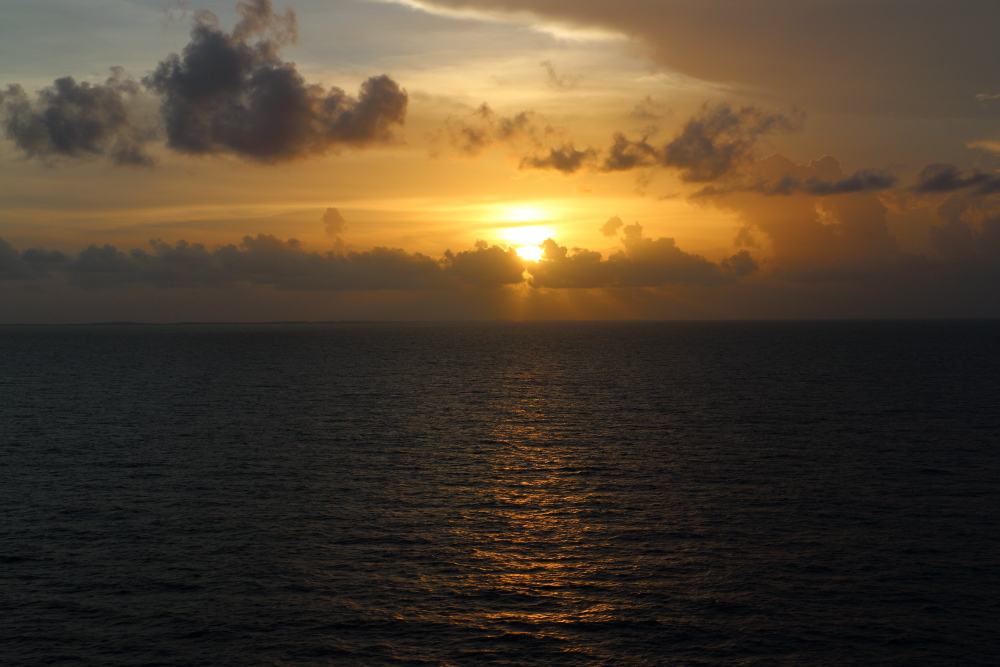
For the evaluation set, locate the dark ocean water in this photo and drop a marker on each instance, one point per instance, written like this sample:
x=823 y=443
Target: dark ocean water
x=501 y=494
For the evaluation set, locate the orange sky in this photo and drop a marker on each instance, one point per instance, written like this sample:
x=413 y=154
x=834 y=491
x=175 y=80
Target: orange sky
x=703 y=162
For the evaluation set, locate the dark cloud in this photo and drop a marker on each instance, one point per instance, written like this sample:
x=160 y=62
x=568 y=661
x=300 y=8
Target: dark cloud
x=716 y=144
x=230 y=92
x=486 y=266
x=225 y=93
x=70 y=119
x=949 y=178
x=264 y=260
x=261 y=260
x=566 y=159
x=646 y=262
x=919 y=58
x=864 y=180
x=559 y=269
x=719 y=141
x=625 y=155
x=287 y=265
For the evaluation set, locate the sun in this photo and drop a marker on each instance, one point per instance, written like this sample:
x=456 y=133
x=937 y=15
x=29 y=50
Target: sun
x=527 y=235
x=532 y=253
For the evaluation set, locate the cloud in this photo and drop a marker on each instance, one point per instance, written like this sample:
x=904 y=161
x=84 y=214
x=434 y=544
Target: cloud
x=649 y=109
x=334 y=222
x=483 y=128
x=863 y=180
x=968 y=238
x=231 y=93
x=807 y=234
x=643 y=262
x=949 y=178
x=525 y=134
x=11 y=267
x=556 y=80
x=264 y=260
x=566 y=159
x=625 y=155
x=559 y=269
x=985 y=145
x=719 y=140
x=716 y=144
x=611 y=227
x=70 y=119
x=486 y=266
x=286 y=265
x=848 y=55
x=260 y=260
x=740 y=264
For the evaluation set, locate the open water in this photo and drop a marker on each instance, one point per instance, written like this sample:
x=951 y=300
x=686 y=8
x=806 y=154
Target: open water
x=783 y=493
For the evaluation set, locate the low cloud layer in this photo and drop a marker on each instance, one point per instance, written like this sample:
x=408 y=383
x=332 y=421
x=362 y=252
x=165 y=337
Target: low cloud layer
x=267 y=260
x=643 y=262
x=225 y=93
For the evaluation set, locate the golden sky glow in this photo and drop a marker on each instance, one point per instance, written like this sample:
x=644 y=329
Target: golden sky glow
x=672 y=183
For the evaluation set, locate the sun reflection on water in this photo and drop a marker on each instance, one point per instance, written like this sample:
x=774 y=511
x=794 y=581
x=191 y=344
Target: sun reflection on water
x=544 y=554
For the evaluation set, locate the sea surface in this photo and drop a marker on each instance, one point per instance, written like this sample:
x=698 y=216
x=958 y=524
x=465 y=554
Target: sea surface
x=764 y=493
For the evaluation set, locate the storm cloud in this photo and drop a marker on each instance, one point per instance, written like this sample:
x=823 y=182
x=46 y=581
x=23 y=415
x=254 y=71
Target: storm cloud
x=232 y=93
x=71 y=119
x=923 y=58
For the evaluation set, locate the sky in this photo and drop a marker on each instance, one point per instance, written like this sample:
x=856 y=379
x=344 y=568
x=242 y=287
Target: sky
x=169 y=161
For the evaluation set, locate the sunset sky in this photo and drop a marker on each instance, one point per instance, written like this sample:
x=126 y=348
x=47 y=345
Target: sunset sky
x=515 y=159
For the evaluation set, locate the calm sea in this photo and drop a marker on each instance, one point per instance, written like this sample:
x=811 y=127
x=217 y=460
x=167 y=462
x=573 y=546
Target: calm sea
x=785 y=493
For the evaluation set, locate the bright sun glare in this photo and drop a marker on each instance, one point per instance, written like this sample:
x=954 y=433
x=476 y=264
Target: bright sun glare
x=532 y=253
x=532 y=235
x=527 y=240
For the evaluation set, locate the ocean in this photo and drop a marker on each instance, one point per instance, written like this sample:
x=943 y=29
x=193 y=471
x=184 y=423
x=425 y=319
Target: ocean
x=690 y=493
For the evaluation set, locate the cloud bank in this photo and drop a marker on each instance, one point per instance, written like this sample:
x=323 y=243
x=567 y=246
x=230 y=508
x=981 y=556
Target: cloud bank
x=287 y=265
